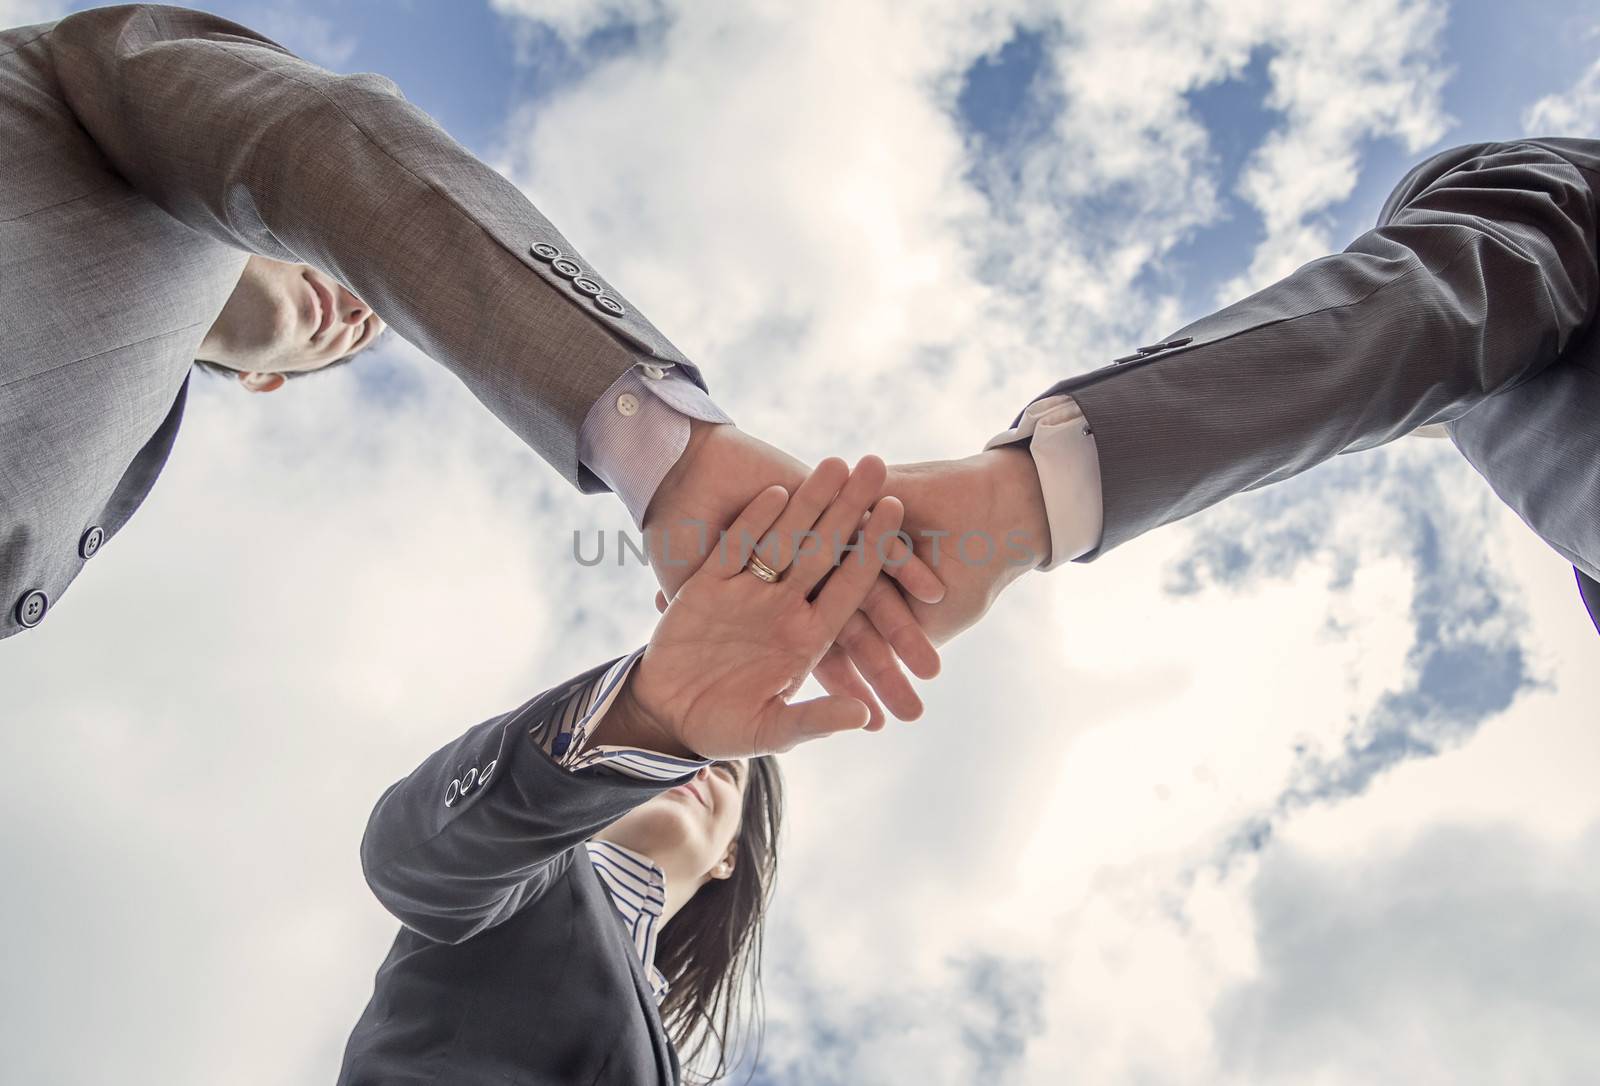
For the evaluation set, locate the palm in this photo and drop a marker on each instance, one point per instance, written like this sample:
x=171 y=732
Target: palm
x=732 y=648
x=726 y=660
x=717 y=476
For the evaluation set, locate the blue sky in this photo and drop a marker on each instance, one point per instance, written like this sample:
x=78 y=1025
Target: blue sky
x=466 y=64
x=1262 y=785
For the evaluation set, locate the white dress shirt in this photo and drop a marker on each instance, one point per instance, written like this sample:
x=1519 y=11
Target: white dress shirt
x=1069 y=473
x=634 y=433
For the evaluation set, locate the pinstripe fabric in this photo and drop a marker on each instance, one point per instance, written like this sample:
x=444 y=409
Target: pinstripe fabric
x=511 y=964
x=637 y=886
x=562 y=733
x=638 y=889
x=1473 y=304
x=148 y=151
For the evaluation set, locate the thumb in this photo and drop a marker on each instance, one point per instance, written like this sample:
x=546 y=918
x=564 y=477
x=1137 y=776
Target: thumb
x=787 y=726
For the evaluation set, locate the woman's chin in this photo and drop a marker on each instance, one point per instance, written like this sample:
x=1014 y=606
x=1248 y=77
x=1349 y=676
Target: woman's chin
x=662 y=825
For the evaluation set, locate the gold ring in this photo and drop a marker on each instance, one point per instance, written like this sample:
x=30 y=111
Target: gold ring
x=762 y=570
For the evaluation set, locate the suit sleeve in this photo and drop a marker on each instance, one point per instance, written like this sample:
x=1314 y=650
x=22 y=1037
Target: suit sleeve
x=259 y=150
x=1481 y=273
x=1538 y=445
x=486 y=824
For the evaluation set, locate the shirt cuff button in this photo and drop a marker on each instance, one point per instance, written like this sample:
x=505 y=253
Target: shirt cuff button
x=627 y=405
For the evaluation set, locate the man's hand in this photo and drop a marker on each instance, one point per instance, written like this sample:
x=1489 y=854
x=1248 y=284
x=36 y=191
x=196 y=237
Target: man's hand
x=720 y=471
x=979 y=523
x=732 y=649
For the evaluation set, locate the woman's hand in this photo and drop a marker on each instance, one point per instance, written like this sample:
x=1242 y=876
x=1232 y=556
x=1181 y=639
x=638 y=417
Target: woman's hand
x=721 y=470
x=731 y=649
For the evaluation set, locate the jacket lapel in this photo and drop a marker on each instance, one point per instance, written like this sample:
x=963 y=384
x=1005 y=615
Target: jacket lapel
x=1589 y=590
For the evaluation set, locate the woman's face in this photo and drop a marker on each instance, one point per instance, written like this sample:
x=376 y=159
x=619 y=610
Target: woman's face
x=689 y=830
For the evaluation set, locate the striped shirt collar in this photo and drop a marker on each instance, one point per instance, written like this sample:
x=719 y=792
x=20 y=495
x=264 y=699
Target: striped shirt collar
x=638 y=889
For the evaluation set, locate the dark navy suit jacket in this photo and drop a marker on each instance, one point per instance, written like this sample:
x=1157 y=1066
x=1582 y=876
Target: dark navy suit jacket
x=513 y=966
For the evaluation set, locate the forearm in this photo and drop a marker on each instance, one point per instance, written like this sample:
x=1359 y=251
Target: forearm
x=261 y=151
x=640 y=430
x=483 y=825
x=629 y=725
x=1483 y=272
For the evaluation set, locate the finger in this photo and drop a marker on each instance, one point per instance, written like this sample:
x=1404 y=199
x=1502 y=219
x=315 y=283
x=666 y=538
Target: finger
x=871 y=655
x=727 y=559
x=837 y=526
x=837 y=675
x=886 y=608
x=778 y=546
x=909 y=571
x=784 y=727
x=661 y=603
x=855 y=575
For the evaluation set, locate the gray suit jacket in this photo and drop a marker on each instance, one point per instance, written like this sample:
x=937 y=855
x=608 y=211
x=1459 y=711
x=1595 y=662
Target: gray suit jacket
x=1472 y=304
x=148 y=150
x=513 y=965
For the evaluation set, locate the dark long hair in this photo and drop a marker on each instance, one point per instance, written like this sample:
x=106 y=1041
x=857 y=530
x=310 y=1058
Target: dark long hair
x=710 y=951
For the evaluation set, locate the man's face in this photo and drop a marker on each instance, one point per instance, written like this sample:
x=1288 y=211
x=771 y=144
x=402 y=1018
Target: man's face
x=286 y=318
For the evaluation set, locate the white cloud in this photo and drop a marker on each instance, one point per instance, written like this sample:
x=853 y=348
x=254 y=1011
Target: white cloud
x=574 y=20
x=1034 y=883
x=1465 y=956
x=323 y=587
x=1572 y=112
x=1343 y=75
x=304 y=33
x=25 y=12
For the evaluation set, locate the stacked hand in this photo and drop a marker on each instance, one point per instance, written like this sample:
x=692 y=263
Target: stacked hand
x=979 y=523
x=732 y=649
x=976 y=525
x=719 y=473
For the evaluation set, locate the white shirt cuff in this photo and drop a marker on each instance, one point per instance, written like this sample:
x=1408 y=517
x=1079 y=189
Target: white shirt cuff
x=634 y=433
x=565 y=736
x=1069 y=473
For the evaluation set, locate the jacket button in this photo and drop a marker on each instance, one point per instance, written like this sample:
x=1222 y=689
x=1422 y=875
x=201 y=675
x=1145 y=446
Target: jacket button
x=89 y=545
x=1178 y=342
x=607 y=304
x=587 y=286
x=452 y=793
x=483 y=778
x=468 y=779
x=31 y=608
x=545 y=251
x=565 y=268
x=1126 y=358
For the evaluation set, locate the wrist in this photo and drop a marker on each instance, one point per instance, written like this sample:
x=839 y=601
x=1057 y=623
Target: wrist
x=1019 y=499
x=629 y=723
x=681 y=471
